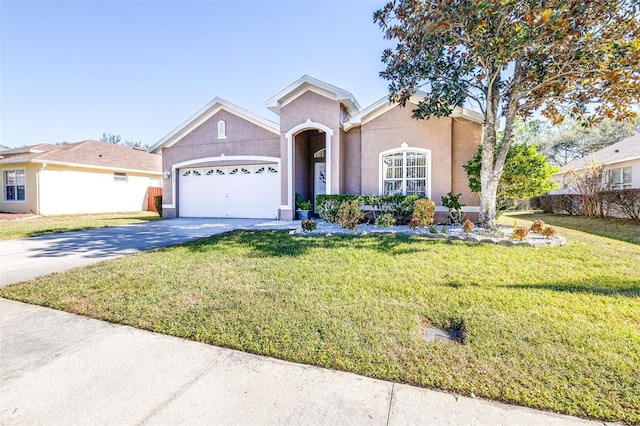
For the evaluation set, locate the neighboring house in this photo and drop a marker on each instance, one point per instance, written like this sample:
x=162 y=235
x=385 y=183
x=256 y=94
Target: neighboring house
x=83 y=177
x=621 y=160
x=225 y=161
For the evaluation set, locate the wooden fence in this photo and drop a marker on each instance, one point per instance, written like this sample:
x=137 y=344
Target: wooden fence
x=152 y=192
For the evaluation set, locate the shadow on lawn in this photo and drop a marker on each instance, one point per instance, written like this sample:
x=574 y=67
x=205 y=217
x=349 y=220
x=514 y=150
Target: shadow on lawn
x=628 y=288
x=112 y=222
x=280 y=243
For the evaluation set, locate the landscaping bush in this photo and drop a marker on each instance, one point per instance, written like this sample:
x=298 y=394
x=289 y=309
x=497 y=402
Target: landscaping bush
x=549 y=231
x=308 y=225
x=399 y=206
x=468 y=226
x=452 y=202
x=350 y=214
x=622 y=203
x=520 y=233
x=537 y=226
x=329 y=205
x=157 y=202
x=424 y=211
x=561 y=203
x=385 y=221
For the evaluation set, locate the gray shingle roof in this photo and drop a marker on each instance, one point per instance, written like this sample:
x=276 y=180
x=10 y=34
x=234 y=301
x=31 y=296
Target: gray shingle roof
x=626 y=149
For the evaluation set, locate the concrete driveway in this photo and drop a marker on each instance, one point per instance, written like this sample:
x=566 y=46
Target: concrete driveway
x=27 y=258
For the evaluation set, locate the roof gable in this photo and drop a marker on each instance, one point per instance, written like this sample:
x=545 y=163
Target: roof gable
x=626 y=150
x=205 y=113
x=383 y=105
x=307 y=83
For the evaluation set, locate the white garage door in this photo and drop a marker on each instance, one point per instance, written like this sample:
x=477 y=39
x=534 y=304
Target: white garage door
x=233 y=191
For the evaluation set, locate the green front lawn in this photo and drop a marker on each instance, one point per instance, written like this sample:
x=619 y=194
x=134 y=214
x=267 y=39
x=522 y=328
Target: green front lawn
x=43 y=225
x=554 y=328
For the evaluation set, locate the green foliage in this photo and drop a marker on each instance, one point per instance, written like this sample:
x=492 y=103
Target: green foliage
x=571 y=140
x=510 y=59
x=308 y=225
x=452 y=202
x=305 y=205
x=385 y=220
x=329 y=205
x=424 y=211
x=400 y=206
x=157 y=202
x=526 y=174
x=433 y=229
x=350 y=214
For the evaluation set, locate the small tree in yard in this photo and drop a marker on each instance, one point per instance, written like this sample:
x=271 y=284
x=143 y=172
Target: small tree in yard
x=510 y=58
x=526 y=174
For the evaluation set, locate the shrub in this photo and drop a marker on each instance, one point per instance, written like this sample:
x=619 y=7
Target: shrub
x=400 y=206
x=385 y=221
x=622 y=202
x=468 y=226
x=520 y=233
x=549 y=231
x=433 y=229
x=308 y=225
x=423 y=211
x=157 y=203
x=414 y=223
x=350 y=214
x=328 y=206
x=452 y=202
x=537 y=226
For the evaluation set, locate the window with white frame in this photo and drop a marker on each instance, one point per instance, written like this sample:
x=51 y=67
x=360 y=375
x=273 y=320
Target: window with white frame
x=405 y=172
x=222 y=129
x=14 y=182
x=620 y=178
x=119 y=177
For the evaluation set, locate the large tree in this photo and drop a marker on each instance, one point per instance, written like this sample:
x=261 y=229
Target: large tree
x=510 y=58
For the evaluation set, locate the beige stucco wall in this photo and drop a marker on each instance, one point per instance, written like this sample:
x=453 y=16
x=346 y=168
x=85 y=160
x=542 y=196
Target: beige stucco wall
x=318 y=109
x=466 y=137
x=352 y=162
x=243 y=138
x=30 y=204
x=395 y=127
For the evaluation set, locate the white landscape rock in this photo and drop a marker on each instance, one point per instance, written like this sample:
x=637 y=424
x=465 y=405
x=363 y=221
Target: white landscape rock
x=500 y=236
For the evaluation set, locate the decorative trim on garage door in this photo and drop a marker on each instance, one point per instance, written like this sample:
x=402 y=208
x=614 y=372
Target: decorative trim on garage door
x=248 y=158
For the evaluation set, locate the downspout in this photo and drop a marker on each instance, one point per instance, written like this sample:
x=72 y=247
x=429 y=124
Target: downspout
x=44 y=166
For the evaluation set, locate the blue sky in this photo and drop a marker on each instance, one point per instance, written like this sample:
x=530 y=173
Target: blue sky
x=73 y=70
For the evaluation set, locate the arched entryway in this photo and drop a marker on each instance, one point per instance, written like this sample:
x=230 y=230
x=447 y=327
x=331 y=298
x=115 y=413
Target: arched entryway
x=309 y=161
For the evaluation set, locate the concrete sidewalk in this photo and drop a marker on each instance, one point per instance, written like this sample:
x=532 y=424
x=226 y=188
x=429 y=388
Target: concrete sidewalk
x=59 y=368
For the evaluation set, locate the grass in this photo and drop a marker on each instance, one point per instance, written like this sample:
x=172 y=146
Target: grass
x=43 y=225
x=554 y=328
x=619 y=229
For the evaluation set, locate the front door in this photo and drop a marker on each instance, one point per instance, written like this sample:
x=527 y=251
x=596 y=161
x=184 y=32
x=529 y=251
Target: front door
x=319 y=181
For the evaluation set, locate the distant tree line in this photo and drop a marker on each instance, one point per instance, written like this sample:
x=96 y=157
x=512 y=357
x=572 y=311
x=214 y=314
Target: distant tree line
x=117 y=139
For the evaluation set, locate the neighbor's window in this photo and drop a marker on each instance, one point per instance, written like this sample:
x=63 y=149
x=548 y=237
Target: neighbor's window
x=222 y=129
x=405 y=173
x=14 y=185
x=621 y=178
x=120 y=177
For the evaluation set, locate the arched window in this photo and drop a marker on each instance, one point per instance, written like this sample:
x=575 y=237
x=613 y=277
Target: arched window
x=320 y=153
x=222 y=129
x=405 y=171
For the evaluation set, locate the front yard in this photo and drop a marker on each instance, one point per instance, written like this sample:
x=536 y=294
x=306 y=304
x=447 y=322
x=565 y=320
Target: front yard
x=24 y=227
x=554 y=328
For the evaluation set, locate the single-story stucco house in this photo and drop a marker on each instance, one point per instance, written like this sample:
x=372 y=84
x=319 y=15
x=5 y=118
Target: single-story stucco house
x=225 y=161
x=82 y=177
x=621 y=160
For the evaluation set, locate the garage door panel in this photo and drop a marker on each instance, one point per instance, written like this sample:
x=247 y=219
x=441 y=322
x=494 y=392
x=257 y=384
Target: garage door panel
x=239 y=191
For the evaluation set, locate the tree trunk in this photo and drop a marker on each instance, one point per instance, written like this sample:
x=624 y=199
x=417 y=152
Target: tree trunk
x=487 y=217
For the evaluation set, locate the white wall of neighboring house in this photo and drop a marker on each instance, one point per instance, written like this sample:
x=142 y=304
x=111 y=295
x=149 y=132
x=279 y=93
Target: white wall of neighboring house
x=72 y=191
x=635 y=175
